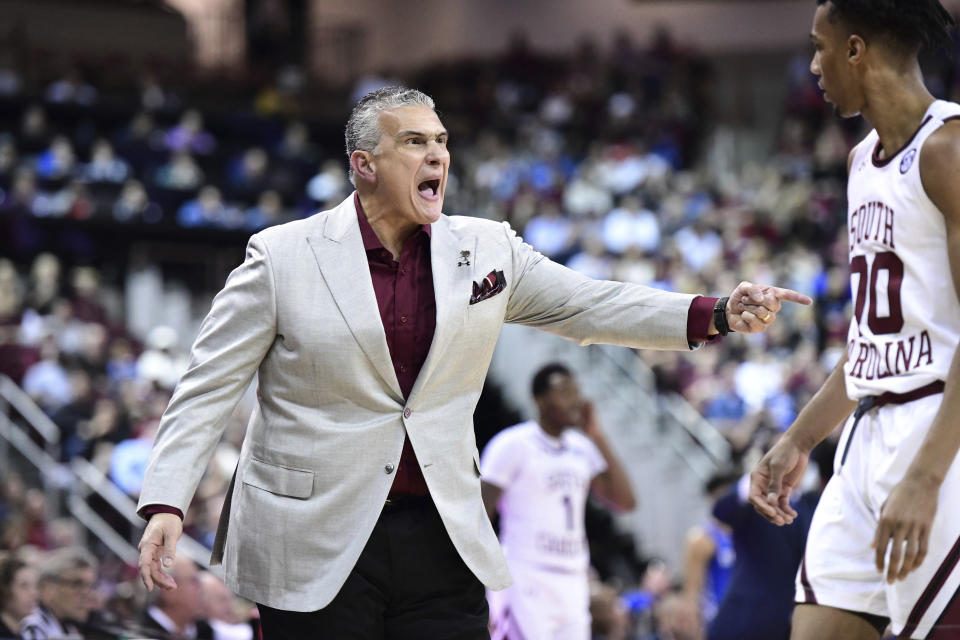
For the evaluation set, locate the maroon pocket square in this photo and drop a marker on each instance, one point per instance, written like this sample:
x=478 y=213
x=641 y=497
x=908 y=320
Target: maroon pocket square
x=490 y=286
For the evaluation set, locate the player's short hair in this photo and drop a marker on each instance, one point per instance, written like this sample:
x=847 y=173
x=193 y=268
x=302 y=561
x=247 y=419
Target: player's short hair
x=363 y=127
x=65 y=559
x=541 y=379
x=908 y=25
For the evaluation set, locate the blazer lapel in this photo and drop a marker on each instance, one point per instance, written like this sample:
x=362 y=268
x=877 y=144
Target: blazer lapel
x=451 y=286
x=339 y=252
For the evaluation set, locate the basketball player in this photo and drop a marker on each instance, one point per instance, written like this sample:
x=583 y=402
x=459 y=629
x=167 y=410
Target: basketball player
x=539 y=474
x=879 y=548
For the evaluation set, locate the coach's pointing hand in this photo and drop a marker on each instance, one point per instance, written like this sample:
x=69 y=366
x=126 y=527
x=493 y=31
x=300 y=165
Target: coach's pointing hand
x=753 y=307
x=158 y=548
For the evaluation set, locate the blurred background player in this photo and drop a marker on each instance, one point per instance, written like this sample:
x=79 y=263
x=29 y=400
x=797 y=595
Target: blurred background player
x=538 y=474
x=758 y=601
x=879 y=548
x=709 y=554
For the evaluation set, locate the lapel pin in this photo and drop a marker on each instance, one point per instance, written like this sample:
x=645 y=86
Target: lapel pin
x=464 y=258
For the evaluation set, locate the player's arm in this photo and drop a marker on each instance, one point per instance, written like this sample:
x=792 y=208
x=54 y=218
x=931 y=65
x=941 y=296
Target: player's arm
x=779 y=472
x=612 y=485
x=491 y=496
x=699 y=549
x=909 y=510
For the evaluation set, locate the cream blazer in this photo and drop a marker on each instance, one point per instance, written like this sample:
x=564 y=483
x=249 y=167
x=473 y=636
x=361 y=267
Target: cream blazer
x=319 y=452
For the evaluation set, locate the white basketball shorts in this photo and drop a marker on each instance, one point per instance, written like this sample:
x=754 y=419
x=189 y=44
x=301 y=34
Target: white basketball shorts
x=541 y=605
x=838 y=568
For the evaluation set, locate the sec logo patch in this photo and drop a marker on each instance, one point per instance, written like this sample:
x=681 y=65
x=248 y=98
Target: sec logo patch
x=907 y=161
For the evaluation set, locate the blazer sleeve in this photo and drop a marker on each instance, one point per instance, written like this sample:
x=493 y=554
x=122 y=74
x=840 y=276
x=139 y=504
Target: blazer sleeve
x=234 y=338
x=564 y=302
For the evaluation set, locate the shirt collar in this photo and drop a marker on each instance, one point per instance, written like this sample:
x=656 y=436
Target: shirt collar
x=370 y=240
x=190 y=631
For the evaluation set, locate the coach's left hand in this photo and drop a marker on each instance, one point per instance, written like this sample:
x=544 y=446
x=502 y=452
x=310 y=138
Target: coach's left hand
x=905 y=521
x=753 y=307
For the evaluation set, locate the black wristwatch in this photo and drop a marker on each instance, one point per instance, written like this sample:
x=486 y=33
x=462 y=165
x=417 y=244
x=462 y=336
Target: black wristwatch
x=720 y=316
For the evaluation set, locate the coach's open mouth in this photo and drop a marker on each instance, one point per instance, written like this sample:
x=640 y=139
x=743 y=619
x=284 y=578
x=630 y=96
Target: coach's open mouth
x=430 y=189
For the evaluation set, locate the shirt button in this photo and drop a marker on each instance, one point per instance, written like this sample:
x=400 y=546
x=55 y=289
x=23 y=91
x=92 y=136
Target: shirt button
x=388 y=469
x=407 y=412
x=403 y=368
x=403 y=319
x=403 y=271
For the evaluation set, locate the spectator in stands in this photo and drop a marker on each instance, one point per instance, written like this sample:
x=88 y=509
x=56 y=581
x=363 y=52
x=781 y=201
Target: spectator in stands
x=189 y=135
x=71 y=88
x=47 y=381
x=44 y=286
x=609 y=618
x=35 y=516
x=631 y=225
x=178 y=613
x=57 y=161
x=8 y=160
x=138 y=141
x=23 y=191
x=181 y=173
x=550 y=232
x=67 y=577
x=229 y=616
x=267 y=212
x=677 y=618
x=34 y=130
x=329 y=185
x=133 y=204
x=209 y=210
x=18 y=593
x=104 y=165
x=246 y=174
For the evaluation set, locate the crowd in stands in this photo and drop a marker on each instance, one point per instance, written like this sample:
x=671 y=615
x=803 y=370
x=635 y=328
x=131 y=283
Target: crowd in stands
x=606 y=161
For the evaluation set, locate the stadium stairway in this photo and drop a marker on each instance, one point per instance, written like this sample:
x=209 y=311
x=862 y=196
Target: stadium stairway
x=29 y=444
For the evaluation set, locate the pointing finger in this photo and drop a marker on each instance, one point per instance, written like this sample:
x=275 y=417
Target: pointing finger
x=790 y=295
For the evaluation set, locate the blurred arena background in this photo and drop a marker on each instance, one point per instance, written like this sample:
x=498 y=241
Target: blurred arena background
x=677 y=143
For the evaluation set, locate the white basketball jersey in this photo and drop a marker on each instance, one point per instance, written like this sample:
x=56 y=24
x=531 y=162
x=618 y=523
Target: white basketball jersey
x=545 y=484
x=906 y=321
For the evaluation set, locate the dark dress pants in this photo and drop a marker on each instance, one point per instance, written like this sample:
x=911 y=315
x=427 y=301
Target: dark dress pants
x=408 y=584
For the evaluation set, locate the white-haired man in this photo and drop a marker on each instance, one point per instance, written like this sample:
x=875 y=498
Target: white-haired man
x=355 y=510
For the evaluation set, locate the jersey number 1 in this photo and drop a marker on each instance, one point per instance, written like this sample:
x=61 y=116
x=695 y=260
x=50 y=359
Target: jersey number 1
x=891 y=263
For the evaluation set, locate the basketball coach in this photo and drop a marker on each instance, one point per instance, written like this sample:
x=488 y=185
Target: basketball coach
x=355 y=509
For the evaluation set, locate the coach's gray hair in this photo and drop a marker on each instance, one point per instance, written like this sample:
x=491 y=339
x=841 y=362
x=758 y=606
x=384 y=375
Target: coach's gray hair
x=63 y=560
x=363 y=127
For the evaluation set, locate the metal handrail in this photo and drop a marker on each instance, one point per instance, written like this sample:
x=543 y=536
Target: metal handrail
x=677 y=408
x=81 y=472
x=24 y=404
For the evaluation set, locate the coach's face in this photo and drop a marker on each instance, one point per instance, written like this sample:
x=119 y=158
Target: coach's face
x=836 y=57
x=411 y=162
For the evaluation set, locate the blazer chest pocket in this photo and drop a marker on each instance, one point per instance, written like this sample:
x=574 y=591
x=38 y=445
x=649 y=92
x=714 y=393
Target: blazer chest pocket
x=283 y=481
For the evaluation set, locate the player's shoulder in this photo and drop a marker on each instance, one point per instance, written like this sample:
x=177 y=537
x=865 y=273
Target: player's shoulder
x=513 y=434
x=578 y=441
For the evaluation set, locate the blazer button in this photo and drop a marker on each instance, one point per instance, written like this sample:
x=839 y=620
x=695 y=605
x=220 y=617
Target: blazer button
x=407 y=412
x=388 y=469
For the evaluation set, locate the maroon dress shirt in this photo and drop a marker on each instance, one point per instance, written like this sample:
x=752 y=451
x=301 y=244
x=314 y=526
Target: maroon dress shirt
x=408 y=310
